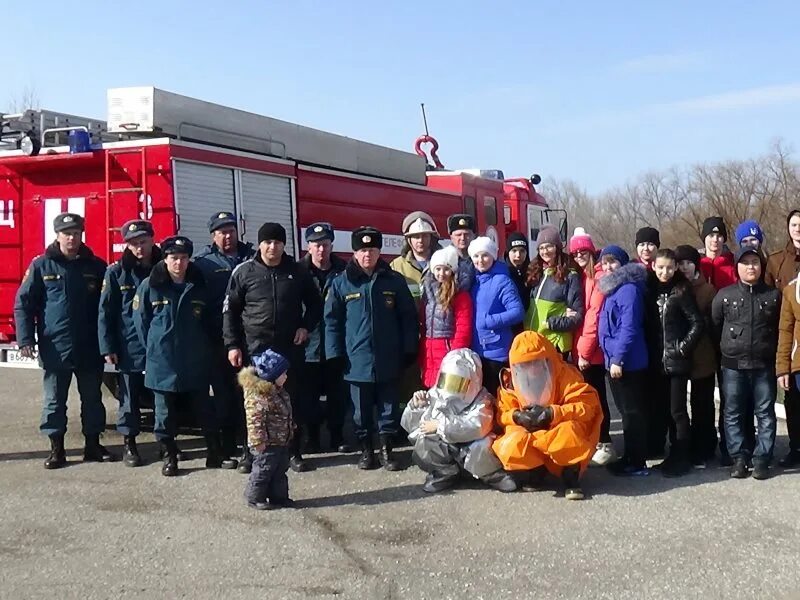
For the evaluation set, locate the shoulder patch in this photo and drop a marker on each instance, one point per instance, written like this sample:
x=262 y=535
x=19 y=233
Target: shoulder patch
x=135 y=303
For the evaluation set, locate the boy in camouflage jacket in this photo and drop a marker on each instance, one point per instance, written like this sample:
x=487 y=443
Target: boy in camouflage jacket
x=269 y=430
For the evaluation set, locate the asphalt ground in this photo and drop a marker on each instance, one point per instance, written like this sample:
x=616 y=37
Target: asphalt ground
x=107 y=531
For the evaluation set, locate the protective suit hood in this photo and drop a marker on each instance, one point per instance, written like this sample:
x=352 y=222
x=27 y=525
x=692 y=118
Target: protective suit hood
x=534 y=363
x=460 y=380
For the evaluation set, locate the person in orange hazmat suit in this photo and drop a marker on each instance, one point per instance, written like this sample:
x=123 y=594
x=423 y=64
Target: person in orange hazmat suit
x=551 y=417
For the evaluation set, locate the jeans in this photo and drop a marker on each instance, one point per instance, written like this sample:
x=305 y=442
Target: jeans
x=268 y=477
x=756 y=387
x=56 y=390
x=367 y=396
x=166 y=427
x=595 y=376
x=131 y=386
x=628 y=395
x=749 y=429
x=704 y=431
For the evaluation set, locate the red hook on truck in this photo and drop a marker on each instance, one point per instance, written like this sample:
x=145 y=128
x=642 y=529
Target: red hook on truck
x=428 y=139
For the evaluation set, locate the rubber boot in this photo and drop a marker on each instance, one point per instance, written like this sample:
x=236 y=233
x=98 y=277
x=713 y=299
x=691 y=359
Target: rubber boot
x=246 y=461
x=388 y=461
x=130 y=453
x=501 y=481
x=93 y=451
x=571 y=477
x=169 y=452
x=58 y=456
x=437 y=482
x=367 y=460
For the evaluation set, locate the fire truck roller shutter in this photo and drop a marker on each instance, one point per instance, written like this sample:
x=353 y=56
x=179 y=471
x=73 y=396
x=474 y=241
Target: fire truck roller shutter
x=201 y=190
x=267 y=198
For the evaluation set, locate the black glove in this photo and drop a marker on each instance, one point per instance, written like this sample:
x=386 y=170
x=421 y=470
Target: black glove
x=409 y=359
x=542 y=416
x=525 y=419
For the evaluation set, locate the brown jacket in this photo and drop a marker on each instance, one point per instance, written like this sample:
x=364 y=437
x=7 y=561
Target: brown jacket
x=782 y=267
x=704 y=359
x=787 y=360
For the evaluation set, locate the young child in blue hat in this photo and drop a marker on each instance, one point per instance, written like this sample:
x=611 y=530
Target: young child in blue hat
x=269 y=430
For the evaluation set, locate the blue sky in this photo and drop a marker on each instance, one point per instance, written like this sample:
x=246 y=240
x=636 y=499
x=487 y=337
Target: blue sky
x=595 y=91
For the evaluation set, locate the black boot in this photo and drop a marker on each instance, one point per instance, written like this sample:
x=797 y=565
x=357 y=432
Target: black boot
x=338 y=444
x=214 y=458
x=246 y=461
x=761 y=469
x=388 y=461
x=677 y=463
x=58 y=456
x=130 y=452
x=93 y=451
x=740 y=470
x=228 y=443
x=439 y=482
x=367 y=460
x=501 y=481
x=180 y=454
x=225 y=455
x=169 y=452
x=312 y=444
x=571 y=477
x=296 y=462
x=791 y=460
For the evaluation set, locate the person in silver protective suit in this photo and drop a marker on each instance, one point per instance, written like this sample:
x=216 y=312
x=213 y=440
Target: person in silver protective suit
x=451 y=425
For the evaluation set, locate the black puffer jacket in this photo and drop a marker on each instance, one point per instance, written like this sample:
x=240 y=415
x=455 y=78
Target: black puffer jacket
x=264 y=305
x=746 y=322
x=676 y=327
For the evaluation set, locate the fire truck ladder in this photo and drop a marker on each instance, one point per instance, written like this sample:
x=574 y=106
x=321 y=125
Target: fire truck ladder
x=142 y=189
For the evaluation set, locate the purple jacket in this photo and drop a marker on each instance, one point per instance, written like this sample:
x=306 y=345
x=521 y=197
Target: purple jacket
x=621 y=328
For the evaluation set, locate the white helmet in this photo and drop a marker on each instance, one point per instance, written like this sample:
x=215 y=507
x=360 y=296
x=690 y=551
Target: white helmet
x=420 y=225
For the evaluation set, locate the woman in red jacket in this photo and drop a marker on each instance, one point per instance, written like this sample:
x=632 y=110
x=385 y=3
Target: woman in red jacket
x=586 y=350
x=445 y=313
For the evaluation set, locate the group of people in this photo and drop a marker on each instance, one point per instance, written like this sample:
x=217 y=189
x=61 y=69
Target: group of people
x=504 y=365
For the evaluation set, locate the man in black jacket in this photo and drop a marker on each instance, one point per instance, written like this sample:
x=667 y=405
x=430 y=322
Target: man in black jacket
x=272 y=303
x=745 y=317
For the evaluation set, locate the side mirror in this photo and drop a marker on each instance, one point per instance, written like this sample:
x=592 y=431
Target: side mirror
x=535 y=179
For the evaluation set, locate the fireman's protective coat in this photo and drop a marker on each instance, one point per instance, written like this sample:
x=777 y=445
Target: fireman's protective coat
x=174 y=326
x=56 y=308
x=575 y=428
x=116 y=329
x=464 y=436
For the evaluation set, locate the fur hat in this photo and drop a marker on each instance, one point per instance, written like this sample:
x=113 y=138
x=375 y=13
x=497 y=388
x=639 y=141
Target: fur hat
x=482 y=244
x=367 y=237
x=447 y=257
x=456 y=222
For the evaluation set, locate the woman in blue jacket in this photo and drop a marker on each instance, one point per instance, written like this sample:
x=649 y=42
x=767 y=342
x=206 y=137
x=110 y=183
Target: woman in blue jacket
x=622 y=338
x=497 y=309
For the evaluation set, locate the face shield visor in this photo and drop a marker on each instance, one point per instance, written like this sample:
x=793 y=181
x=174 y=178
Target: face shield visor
x=533 y=382
x=460 y=380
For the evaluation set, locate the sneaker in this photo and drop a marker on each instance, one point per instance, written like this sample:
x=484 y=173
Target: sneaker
x=604 y=454
x=574 y=494
x=739 y=470
x=761 y=470
x=623 y=468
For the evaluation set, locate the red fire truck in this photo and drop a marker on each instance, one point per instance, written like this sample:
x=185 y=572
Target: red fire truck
x=176 y=160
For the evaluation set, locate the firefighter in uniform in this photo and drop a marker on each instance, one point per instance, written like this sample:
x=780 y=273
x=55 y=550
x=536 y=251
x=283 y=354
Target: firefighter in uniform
x=217 y=261
x=462 y=231
x=173 y=319
x=321 y=376
x=272 y=303
x=119 y=343
x=56 y=310
x=371 y=326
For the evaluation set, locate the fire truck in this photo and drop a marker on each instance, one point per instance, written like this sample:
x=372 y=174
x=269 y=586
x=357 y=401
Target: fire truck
x=176 y=160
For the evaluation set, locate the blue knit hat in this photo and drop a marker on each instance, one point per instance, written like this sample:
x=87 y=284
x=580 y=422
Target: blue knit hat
x=749 y=229
x=617 y=252
x=270 y=365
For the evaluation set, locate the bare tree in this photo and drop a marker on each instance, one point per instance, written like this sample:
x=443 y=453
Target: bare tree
x=27 y=97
